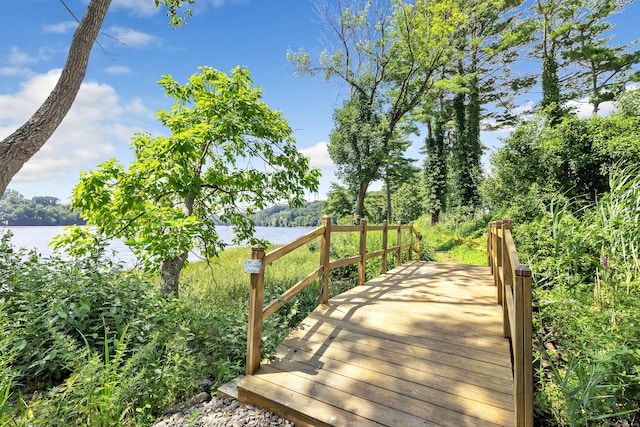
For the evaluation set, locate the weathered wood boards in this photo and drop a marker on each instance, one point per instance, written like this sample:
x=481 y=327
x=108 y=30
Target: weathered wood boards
x=421 y=346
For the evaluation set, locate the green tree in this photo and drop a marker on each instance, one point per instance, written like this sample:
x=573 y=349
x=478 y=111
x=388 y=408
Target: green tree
x=375 y=207
x=396 y=171
x=21 y=145
x=356 y=147
x=553 y=17
x=169 y=199
x=340 y=202
x=578 y=57
x=603 y=70
x=408 y=202
x=387 y=53
x=572 y=158
x=45 y=200
x=436 y=152
x=486 y=47
x=628 y=104
x=41 y=210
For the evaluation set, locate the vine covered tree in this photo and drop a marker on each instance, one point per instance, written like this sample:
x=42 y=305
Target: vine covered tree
x=26 y=141
x=436 y=152
x=486 y=47
x=170 y=198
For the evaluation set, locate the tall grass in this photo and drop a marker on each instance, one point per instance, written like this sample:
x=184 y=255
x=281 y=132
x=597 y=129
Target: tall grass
x=617 y=225
x=587 y=307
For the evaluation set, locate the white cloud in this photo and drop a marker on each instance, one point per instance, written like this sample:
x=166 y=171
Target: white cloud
x=96 y=124
x=131 y=37
x=137 y=108
x=318 y=156
x=584 y=109
x=17 y=60
x=117 y=69
x=61 y=27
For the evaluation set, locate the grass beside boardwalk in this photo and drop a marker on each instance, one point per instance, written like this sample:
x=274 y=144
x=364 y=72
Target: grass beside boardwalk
x=455 y=240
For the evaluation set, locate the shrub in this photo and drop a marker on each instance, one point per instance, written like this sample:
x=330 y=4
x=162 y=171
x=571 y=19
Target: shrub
x=52 y=307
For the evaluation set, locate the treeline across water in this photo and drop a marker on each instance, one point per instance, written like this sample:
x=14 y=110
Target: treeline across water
x=308 y=215
x=15 y=209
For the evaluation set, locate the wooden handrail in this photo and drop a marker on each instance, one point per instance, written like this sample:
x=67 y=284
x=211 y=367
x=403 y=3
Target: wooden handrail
x=513 y=282
x=258 y=313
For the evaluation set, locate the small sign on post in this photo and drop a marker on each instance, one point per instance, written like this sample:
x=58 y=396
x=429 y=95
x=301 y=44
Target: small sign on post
x=252 y=266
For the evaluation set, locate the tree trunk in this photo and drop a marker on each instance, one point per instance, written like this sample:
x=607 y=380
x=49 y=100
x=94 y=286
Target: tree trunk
x=388 y=184
x=170 y=273
x=170 y=268
x=362 y=192
x=19 y=147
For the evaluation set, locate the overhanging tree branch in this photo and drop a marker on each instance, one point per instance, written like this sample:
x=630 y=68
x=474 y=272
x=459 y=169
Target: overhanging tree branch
x=21 y=145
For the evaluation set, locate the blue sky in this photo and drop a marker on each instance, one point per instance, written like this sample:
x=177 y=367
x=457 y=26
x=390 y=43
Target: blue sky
x=120 y=95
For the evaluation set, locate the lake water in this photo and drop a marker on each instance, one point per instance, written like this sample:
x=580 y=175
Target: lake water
x=40 y=237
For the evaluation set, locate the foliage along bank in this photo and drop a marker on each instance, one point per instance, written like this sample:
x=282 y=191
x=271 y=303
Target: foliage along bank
x=572 y=186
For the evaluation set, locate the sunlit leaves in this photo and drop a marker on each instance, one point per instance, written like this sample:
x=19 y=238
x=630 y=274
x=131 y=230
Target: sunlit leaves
x=227 y=155
x=176 y=12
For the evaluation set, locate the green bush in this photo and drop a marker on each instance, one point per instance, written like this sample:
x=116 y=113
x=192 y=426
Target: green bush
x=51 y=308
x=88 y=343
x=587 y=304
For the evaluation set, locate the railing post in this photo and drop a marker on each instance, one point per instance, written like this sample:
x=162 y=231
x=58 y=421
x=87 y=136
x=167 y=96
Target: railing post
x=256 y=300
x=497 y=259
x=385 y=243
x=363 y=251
x=523 y=357
x=325 y=257
x=411 y=241
x=399 y=225
x=507 y=273
x=489 y=248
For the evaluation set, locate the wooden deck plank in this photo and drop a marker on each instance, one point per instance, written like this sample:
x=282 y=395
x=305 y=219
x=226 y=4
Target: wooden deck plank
x=422 y=345
x=427 y=403
x=422 y=337
x=455 y=344
x=351 y=400
x=387 y=373
x=295 y=406
x=463 y=370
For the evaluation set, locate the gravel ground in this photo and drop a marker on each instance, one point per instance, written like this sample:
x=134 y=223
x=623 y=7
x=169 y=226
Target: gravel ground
x=207 y=411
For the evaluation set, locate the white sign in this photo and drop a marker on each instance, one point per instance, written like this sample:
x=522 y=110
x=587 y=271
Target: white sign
x=252 y=266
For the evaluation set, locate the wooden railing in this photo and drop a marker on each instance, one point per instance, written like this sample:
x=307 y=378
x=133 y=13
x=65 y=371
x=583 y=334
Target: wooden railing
x=258 y=313
x=513 y=281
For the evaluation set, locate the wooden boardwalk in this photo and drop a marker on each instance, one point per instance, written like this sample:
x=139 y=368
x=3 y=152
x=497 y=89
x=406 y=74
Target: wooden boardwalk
x=420 y=346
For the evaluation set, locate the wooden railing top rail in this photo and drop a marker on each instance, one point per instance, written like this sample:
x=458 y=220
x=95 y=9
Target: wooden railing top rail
x=513 y=282
x=258 y=313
